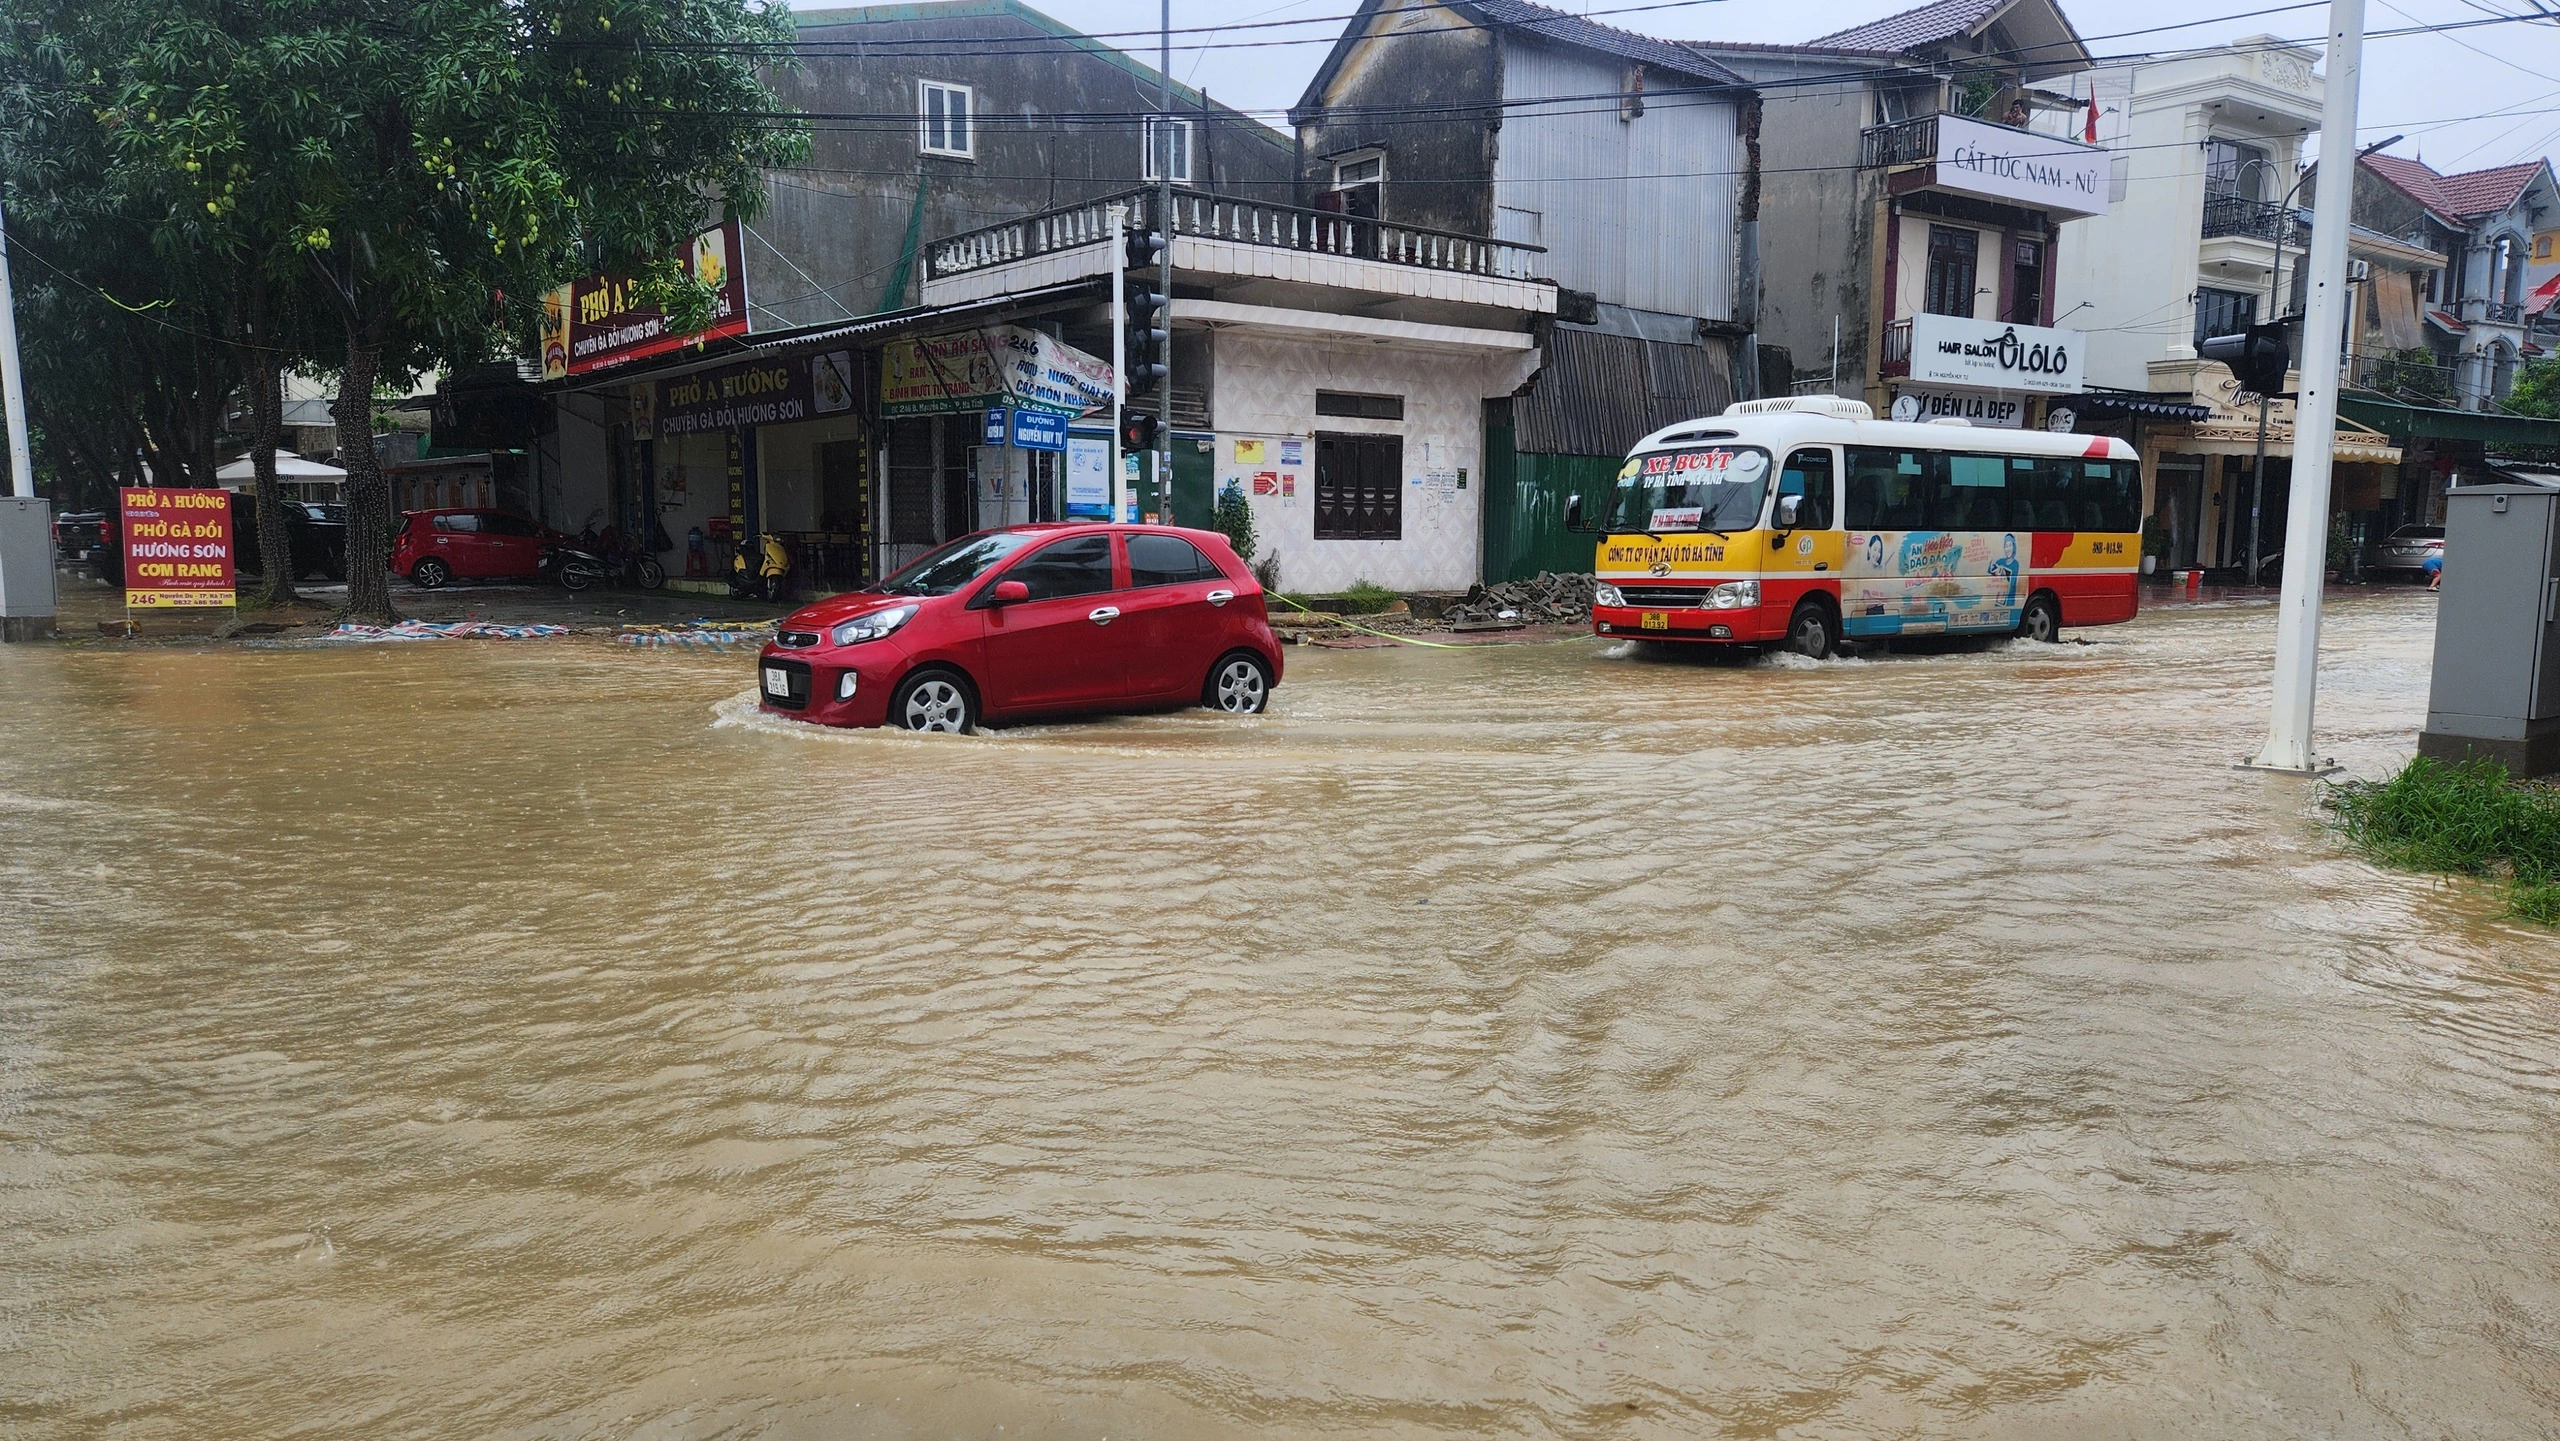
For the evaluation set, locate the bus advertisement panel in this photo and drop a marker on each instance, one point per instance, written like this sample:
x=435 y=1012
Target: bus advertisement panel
x=1806 y=522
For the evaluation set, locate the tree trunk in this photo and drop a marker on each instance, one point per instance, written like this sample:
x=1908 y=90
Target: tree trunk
x=265 y=394
x=368 y=498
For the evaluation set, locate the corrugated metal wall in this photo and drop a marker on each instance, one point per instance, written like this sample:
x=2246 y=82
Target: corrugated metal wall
x=1524 y=498
x=1639 y=212
x=1599 y=394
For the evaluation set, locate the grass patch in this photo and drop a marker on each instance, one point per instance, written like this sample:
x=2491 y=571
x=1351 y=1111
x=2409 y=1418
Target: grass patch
x=2465 y=820
x=1363 y=598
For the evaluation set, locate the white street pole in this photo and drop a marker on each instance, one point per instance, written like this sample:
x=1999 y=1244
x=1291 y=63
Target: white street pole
x=2315 y=424
x=1119 y=345
x=13 y=387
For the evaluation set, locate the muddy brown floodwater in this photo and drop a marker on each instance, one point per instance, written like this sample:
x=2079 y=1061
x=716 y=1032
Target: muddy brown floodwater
x=473 y=1039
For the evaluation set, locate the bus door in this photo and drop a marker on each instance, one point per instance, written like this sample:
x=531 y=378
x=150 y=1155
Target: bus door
x=1808 y=557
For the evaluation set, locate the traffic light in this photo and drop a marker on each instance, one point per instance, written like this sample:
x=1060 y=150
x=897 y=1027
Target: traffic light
x=1137 y=432
x=1148 y=340
x=2258 y=357
x=1145 y=249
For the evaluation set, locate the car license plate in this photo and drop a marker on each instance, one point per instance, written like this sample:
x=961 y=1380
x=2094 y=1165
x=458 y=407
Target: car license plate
x=776 y=683
x=1654 y=620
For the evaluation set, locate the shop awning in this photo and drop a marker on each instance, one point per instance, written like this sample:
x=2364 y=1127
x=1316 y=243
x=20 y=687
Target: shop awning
x=2136 y=402
x=2428 y=422
x=920 y=318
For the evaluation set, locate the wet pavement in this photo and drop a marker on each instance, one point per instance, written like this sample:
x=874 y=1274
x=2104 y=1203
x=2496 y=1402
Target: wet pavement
x=525 y=1039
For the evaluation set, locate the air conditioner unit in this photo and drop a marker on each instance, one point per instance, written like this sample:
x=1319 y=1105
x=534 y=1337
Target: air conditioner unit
x=2359 y=270
x=1830 y=405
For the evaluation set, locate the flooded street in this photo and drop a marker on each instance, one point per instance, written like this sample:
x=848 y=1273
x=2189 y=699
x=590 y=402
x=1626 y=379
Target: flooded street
x=526 y=1040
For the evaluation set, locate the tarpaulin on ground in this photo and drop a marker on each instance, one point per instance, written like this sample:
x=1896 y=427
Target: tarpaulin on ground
x=446 y=630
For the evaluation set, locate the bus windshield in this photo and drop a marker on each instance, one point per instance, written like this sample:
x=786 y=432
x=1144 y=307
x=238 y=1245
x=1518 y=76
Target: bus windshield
x=1691 y=488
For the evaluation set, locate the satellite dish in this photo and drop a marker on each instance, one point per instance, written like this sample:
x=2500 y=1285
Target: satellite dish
x=1906 y=408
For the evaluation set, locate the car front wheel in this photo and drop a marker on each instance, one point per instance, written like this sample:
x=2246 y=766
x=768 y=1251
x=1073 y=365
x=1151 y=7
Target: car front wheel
x=1811 y=631
x=1241 y=685
x=934 y=700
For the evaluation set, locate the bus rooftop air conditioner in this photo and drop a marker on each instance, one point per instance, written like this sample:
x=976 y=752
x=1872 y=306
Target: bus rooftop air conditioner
x=1830 y=405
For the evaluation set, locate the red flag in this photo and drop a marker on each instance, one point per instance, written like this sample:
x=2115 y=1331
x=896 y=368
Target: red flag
x=2089 y=132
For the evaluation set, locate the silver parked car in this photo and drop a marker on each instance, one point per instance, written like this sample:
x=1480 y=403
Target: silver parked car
x=2408 y=549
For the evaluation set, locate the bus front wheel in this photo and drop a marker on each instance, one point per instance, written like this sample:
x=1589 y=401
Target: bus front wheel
x=1812 y=632
x=2043 y=619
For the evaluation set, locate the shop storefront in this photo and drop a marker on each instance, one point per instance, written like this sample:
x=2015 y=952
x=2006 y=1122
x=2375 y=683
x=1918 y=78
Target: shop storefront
x=1985 y=373
x=2209 y=501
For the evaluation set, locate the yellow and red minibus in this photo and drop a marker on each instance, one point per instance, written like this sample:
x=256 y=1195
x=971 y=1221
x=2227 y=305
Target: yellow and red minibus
x=1804 y=521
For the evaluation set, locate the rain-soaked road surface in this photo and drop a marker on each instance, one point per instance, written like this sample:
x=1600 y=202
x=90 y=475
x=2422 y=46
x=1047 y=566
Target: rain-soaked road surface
x=484 y=1040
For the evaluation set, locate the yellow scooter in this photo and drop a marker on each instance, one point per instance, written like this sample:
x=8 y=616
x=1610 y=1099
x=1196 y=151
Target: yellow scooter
x=766 y=580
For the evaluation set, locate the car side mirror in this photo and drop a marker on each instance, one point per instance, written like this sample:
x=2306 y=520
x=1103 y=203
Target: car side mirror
x=1009 y=591
x=1573 y=512
x=1789 y=507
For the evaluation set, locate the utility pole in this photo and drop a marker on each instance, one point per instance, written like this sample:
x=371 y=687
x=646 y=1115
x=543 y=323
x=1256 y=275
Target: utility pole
x=1119 y=345
x=13 y=386
x=2315 y=424
x=1164 y=264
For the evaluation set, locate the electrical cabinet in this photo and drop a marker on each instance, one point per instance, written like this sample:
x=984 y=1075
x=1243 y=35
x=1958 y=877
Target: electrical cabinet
x=2496 y=686
x=26 y=566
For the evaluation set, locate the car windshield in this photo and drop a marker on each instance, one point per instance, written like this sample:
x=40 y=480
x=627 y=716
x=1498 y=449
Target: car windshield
x=943 y=571
x=1695 y=487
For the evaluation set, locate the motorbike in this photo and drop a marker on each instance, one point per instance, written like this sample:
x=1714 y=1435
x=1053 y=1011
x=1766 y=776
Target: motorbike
x=767 y=578
x=591 y=559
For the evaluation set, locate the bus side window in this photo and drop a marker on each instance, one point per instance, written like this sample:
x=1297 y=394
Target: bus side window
x=1808 y=474
x=1976 y=496
x=2109 y=496
x=2046 y=496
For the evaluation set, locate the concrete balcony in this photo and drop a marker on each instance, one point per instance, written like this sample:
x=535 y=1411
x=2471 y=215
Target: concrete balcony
x=1219 y=238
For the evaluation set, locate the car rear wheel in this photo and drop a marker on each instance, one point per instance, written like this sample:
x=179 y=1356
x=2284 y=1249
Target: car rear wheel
x=430 y=573
x=1812 y=632
x=1239 y=685
x=2043 y=619
x=934 y=700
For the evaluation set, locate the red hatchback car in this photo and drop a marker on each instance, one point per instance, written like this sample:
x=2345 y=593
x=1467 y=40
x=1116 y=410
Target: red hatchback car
x=1034 y=620
x=436 y=546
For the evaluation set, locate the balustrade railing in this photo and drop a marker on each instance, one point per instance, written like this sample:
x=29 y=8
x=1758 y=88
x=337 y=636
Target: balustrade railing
x=2255 y=220
x=1203 y=215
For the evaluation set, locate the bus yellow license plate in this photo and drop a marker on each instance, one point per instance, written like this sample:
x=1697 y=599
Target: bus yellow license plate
x=1654 y=620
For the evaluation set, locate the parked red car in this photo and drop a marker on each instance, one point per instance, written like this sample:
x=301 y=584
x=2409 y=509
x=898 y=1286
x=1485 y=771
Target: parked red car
x=435 y=546
x=1033 y=620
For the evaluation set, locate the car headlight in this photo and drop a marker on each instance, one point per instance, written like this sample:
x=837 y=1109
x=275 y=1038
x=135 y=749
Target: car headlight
x=874 y=625
x=1735 y=594
x=1607 y=595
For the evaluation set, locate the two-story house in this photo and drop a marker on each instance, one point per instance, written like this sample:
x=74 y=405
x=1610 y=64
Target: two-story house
x=1920 y=171
x=1623 y=158
x=2474 y=318
x=779 y=419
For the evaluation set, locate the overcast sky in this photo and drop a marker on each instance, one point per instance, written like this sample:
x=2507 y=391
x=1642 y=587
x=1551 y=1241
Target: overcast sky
x=2465 y=98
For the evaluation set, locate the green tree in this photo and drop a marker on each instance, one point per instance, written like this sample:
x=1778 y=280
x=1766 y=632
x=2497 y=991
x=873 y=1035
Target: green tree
x=428 y=168
x=2537 y=390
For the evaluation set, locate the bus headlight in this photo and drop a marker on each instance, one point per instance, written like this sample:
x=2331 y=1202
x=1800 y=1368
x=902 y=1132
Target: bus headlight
x=1735 y=594
x=1605 y=594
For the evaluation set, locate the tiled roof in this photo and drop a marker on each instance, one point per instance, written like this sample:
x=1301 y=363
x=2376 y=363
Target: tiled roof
x=2462 y=197
x=1928 y=25
x=1626 y=44
x=2486 y=192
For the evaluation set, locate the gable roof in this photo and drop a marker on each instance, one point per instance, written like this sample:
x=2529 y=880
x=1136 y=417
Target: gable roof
x=1931 y=24
x=1184 y=96
x=2044 y=42
x=1566 y=29
x=1537 y=21
x=2460 y=198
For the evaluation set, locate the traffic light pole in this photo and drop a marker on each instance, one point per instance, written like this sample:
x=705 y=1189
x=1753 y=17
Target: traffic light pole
x=1164 y=263
x=2315 y=425
x=1119 y=349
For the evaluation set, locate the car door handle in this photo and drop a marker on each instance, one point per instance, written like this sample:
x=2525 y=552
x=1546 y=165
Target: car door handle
x=1221 y=597
x=1104 y=614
